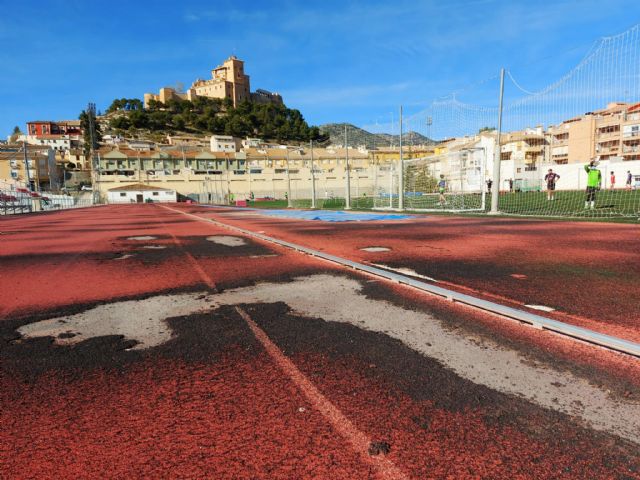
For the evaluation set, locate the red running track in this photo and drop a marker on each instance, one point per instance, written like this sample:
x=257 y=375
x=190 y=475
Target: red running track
x=212 y=402
x=588 y=272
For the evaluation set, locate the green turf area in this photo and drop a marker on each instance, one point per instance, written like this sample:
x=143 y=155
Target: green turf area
x=618 y=205
x=269 y=204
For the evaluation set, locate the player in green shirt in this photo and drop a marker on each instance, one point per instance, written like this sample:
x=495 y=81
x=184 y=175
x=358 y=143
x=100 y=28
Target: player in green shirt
x=594 y=181
x=442 y=187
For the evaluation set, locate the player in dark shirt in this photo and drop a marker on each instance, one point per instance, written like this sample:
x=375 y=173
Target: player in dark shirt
x=551 y=177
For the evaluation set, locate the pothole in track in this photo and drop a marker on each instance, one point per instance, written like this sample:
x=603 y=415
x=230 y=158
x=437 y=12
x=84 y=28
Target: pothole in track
x=376 y=249
x=228 y=240
x=124 y=256
x=142 y=237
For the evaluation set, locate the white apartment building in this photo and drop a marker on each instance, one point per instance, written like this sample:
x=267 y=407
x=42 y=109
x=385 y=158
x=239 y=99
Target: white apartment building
x=223 y=143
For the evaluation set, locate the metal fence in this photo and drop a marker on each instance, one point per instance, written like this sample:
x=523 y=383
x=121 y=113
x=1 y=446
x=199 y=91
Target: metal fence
x=21 y=201
x=456 y=182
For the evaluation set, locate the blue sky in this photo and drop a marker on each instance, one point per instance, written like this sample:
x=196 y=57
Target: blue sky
x=333 y=60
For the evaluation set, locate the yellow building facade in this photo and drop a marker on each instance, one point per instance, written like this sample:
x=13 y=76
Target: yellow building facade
x=42 y=172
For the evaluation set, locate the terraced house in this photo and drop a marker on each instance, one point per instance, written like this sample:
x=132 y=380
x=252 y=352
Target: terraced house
x=214 y=176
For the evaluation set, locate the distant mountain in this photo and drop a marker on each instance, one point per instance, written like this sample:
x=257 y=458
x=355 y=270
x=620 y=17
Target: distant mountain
x=357 y=136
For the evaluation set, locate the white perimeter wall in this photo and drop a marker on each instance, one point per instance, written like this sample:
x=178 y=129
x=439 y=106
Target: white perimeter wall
x=162 y=196
x=572 y=176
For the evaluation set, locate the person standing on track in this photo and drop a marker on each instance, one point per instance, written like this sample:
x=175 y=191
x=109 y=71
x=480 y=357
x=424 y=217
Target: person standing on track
x=442 y=187
x=612 y=181
x=629 y=179
x=594 y=181
x=551 y=178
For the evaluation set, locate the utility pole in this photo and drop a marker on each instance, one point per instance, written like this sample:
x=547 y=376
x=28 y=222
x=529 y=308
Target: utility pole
x=248 y=170
x=347 y=170
x=26 y=165
x=495 y=192
x=226 y=162
x=401 y=177
x=91 y=113
x=313 y=180
x=289 y=204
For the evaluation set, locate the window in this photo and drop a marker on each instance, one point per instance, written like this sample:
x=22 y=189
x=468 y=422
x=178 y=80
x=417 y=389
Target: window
x=155 y=194
x=123 y=194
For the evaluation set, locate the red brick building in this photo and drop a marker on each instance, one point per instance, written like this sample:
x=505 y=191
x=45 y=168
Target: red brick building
x=65 y=127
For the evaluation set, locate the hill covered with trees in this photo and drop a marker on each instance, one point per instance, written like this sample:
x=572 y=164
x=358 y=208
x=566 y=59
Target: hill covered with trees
x=211 y=116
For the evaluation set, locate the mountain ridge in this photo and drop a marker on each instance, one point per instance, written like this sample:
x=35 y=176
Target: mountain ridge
x=357 y=136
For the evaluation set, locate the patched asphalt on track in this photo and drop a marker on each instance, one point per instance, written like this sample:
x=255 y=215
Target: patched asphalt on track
x=367 y=361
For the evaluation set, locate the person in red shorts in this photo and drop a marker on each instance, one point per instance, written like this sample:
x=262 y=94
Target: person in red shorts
x=551 y=177
x=612 y=181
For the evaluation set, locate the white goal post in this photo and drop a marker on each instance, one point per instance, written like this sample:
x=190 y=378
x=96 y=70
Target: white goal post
x=459 y=174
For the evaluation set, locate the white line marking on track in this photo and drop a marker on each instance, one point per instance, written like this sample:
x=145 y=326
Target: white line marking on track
x=194 y=263
x=385 y=468
x=360 y=442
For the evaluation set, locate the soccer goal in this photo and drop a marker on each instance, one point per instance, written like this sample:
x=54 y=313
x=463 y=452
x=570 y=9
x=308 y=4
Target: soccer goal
x=453 y=182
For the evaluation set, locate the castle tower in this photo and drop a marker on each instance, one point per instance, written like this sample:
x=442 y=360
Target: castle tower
x=232 y=72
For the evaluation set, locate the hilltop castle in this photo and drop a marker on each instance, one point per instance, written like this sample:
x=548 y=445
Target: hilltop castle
x=227 y=81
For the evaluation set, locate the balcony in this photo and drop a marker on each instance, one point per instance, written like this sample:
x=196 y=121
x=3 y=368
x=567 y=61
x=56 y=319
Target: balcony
x=533 y=149
x=607 y=134
x=611 y=149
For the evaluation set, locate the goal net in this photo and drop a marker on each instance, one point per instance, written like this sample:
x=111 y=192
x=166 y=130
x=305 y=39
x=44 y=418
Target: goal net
x=591 y=112
x=563 y=190
x=453 y=182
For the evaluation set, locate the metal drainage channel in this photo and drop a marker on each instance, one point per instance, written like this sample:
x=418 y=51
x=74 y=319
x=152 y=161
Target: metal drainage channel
x=537 y=321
